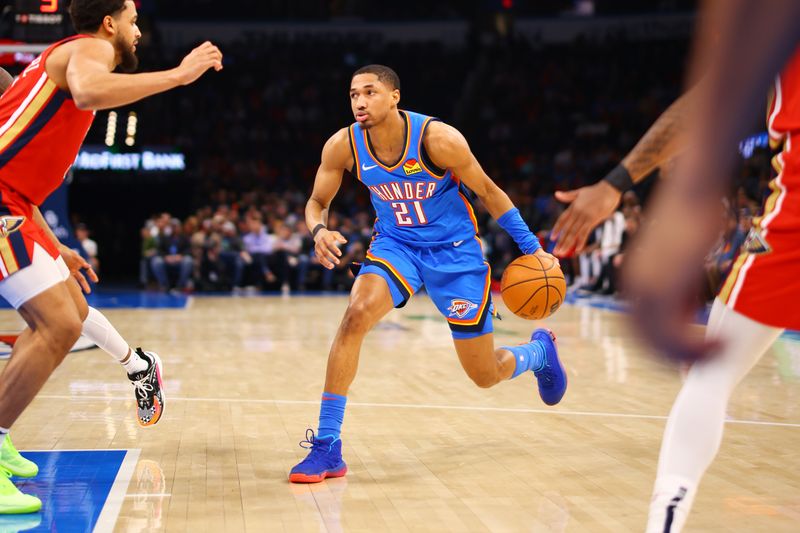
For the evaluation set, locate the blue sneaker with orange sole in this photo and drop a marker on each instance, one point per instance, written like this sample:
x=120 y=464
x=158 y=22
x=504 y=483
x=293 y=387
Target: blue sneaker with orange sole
x=323 y=461
x=552 y=377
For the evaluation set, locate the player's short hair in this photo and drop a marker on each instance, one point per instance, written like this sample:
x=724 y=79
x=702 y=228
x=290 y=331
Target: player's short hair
x=88 y=15
x=384 y=73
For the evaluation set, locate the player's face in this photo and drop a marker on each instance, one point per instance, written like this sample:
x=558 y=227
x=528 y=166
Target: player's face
x=371 y=100
x=127 y=37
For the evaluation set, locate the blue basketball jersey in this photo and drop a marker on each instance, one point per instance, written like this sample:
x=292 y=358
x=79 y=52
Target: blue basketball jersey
x=414 y=203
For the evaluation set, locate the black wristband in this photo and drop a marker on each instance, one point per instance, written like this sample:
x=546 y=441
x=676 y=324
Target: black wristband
x=316 y=230
x=619 y=178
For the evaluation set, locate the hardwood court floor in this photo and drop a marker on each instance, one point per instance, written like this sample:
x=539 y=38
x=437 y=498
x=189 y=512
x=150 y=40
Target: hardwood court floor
x=426 y=449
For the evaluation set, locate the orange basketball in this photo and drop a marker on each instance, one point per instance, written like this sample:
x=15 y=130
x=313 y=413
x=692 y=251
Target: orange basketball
x=532 y=287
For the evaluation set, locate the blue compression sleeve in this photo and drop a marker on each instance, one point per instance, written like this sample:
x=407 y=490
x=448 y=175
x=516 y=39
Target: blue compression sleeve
x=512 y=222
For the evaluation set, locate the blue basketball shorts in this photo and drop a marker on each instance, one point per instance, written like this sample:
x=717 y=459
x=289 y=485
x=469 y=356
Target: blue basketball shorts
x=455 y=275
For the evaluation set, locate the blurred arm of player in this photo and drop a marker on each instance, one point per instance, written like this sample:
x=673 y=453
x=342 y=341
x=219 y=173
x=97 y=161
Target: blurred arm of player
x=591 y=205
x=754 y=42
x=93 y=85
x=336 y=158
x=75 y=262
x=448 y=148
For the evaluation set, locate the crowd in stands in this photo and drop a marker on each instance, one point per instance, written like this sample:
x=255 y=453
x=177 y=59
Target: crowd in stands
x=246 y=243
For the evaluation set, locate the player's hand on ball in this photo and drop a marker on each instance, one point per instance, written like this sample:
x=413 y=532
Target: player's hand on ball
x=76 y=263
x=542 y=255
x=533 y=286
x=326 y=244
x=198 y=61
x=589 y=206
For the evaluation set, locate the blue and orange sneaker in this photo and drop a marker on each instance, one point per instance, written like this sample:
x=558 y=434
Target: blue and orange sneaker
x=552 y=377
x=324 y=460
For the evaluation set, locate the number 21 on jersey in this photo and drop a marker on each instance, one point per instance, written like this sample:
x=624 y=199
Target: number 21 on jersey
x=403 y=215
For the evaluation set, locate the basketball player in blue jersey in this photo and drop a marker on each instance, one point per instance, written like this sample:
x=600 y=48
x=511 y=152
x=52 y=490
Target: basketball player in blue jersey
x=425 y=234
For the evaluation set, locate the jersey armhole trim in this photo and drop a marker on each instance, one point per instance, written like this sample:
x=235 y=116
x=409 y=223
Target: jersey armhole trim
x=356 y=170
x=424 y=158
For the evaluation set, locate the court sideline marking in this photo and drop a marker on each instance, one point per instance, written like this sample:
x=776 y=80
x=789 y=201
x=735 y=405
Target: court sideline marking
x=421 y=406
x=116 y=496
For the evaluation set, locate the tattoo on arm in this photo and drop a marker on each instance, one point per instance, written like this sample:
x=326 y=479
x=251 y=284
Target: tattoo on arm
x=662 y=142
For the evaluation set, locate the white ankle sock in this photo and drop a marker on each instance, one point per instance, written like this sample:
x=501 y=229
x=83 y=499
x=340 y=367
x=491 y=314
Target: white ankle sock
x=135 y=363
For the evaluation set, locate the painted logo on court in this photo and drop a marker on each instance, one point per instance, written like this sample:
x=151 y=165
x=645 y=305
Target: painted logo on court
x=411 y=166
x=9 y=225
x=460 y=308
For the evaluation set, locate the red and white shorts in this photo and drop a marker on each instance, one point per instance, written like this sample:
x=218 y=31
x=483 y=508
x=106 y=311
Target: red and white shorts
x=764 y=283
x=29 y=261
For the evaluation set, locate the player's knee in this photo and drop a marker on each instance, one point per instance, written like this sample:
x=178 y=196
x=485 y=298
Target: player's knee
x=483 y=379
x=359 y=316
x=63 y=334
x=71 y=330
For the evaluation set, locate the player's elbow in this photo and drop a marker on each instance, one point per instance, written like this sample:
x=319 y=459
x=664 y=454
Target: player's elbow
x=83 y=105
x=490 y=195
x=84 y=100
x=316 y=202
x=86 y=94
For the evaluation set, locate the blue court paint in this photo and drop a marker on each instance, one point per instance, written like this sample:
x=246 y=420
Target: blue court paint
x=137 y=300
x=611 y=304
x=74 y=487
x=792 y=335
x=130 y=300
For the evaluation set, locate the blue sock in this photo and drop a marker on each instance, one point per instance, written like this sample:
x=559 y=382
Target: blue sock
x=527 y=356
x=331 y=415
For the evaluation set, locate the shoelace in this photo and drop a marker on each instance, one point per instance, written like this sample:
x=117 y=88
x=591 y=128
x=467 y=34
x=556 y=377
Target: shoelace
x=142 y=387
x=312 y=443
x=310 y=440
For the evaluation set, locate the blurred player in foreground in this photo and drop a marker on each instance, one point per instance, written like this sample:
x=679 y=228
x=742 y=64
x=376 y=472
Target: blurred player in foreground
x=760 y=296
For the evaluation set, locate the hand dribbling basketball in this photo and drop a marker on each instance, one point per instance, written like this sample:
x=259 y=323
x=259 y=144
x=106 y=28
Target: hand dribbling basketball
x=533 y=286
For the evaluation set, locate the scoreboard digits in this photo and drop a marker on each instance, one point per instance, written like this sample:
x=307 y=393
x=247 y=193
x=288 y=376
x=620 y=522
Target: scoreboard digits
x=40 y=21
x=48 y=6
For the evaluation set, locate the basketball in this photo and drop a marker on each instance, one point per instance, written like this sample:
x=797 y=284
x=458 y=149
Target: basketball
x=533 y=288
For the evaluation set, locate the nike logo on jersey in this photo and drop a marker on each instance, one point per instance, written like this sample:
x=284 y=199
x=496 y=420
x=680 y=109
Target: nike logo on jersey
x=457 y=243
x=364 y=167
